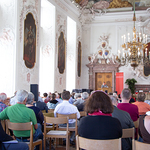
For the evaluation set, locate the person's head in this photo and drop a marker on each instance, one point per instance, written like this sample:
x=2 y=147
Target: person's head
x=99 y=101
x=30 y=98
x=21 y=95
x=72 y=94
x=53 y=96
x=85 y=95
x=141 y=96
x=65 y=95
x=113 y=100
x=114 y=94
x=59 y=95
x=3 y=96
x=104 y=83
x=45 y=94
x=77 y=95
x=126 y=94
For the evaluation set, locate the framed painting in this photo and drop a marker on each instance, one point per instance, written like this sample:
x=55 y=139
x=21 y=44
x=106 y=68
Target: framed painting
x=29 y=54
x=79 y=59
x=61 y=53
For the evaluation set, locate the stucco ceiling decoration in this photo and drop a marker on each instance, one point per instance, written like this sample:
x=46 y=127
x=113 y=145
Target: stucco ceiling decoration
x=91 y=8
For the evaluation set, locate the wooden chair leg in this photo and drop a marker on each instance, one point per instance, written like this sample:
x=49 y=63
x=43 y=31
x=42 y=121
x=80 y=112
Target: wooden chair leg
x=50 y=143
x=67 y=143
x=44 y=143
x=40 y=147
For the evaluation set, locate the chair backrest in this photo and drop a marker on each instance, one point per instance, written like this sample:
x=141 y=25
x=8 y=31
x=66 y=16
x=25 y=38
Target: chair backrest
x=83 y=114
x=55 y=121
x=51 y=110
x=3 y=123
x=129 y=133
x=49 y=114
x=71 y=116
x=21 y=127
x=92 y=144
x=141 y=146
x=136 y=123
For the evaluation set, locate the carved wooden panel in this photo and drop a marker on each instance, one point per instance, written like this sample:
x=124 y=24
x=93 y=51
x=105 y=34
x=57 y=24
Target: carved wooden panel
x=103 y=77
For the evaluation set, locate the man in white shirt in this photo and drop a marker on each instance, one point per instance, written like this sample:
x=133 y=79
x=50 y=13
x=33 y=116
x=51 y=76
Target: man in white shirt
x=66 y=108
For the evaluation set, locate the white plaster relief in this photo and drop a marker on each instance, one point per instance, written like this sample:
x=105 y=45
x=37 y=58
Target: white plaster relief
x=7 y=37
x=25 y=71
x=61 y=5
x=47 y=50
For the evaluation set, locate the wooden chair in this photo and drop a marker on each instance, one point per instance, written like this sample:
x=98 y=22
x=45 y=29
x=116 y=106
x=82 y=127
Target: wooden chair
x=48 y=126
x=136 y=124
x=141 y=146
x=83 y=114
x=91 y=144
x=23 y=127
x=51 y=111
x=128 y=133
x=3 y=123
x=49 y=114
x=70 y=116
x=56 y=133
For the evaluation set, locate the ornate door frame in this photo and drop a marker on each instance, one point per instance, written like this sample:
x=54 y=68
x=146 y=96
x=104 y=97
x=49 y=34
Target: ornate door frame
x=97 y=67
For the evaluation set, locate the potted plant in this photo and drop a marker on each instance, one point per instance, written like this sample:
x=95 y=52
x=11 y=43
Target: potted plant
x=131 y=84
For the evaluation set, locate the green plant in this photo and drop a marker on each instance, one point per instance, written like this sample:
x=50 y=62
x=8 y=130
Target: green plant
x=131 y=84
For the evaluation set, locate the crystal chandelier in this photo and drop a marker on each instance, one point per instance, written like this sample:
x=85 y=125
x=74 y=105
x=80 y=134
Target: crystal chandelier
x=134 y=52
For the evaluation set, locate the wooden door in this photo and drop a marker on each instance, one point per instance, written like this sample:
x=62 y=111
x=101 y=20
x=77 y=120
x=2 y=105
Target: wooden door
x=103 y=77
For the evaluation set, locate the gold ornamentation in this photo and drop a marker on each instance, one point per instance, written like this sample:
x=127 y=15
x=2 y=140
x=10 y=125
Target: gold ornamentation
x=119 y=4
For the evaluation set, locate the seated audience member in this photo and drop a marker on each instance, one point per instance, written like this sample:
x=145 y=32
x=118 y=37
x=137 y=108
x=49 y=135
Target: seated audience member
x=125 y=120
x=53 y=103
x=37 y=111
x=66 y=108
x=10 y=146
x=142 y=107
x=58 y=97
x=72 y=99
x=40 y=98
x=119 y=99
x=3 y=97
x=13 y=99
x=131 y=100
x=78 y=99
x=45 y=98
x=99 y=124
x=147 y=101
x=19 y=113
x=41 y=106
x=126 y=106
x=85 y=96
x=144 y=127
